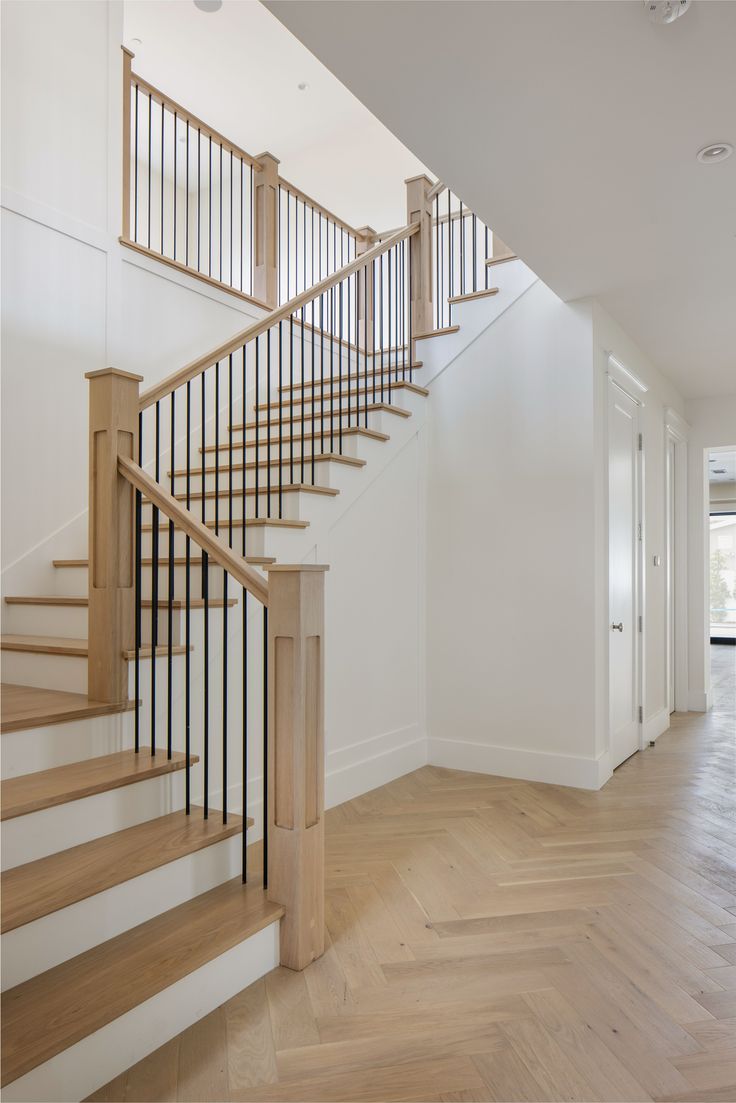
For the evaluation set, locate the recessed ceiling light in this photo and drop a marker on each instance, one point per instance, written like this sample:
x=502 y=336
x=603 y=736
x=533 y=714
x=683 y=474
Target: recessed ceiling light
x=719 y=470
x=208 y=5
x=302 y=86
x=711 y=155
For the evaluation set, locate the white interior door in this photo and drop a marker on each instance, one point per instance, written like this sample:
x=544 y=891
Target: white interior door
x=623 y=545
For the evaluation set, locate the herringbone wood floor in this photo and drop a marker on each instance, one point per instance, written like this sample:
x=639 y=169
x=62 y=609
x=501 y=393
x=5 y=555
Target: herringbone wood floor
x=500 y=940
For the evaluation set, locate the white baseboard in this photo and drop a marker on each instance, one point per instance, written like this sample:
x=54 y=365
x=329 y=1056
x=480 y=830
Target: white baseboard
x=577 y=771
x=654 y=726
x=698 y=700
x=354 y=770
x=96 y=1059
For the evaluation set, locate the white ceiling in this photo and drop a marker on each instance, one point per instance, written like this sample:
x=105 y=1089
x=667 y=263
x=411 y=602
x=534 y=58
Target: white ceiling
x=722 y=467
x=572 y=129
x=238 y=69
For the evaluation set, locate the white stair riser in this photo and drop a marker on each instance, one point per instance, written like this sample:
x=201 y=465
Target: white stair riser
x=46 y=942
x=326 y=473
x=29 y=668
x=351 y=446
x=327 y=405
x=98 y=1058
x=39 y=834
x=260 y=540
x=325 y=426
x=43 y=748
x=292 y=505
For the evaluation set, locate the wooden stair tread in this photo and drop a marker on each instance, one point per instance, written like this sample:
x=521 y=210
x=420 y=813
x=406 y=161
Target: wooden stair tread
x=251 y=465
x=436 y=332
x=62 y=645
x=23 y=707
x=356 y=412
x=49 y=884
x=348 y=430
x=62 y=784
x=81 y=602
x=373 y=372
x=47 y=1014
x=492 y=261
x=255 y=522
x=335 y=395
x=468 y=296
x=250 y=491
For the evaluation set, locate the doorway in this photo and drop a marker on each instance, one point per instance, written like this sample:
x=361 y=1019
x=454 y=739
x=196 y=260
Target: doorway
x=624 y=573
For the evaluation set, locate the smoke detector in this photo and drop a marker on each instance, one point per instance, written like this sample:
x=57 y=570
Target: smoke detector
x=665 y=11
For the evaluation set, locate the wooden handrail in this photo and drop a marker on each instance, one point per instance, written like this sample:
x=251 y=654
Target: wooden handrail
x=294 y=190
x=435 y=191
x=196 y=367
x=207 y=540
x=185 y=115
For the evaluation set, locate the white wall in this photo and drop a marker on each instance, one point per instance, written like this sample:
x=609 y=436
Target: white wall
x=510 y=542
x=712 y=425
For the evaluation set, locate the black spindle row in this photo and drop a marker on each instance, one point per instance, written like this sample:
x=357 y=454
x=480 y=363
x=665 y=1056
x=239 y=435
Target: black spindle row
x=191 y=192
x=462 y=247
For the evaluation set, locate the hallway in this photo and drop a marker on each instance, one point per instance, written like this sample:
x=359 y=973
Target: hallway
x=492 y=939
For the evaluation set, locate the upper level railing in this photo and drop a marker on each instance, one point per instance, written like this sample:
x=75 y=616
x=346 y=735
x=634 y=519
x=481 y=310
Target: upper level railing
x=198 y=201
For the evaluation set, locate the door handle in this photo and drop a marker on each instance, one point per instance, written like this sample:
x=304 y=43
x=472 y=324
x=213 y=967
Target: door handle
x=618 y=627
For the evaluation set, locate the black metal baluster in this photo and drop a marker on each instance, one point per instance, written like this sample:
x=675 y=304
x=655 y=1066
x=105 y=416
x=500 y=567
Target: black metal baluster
x=231 y=218
x=230 y=451
x=462 y=249
x=357 y=389
x=332 y=369
x=243 y=463
x=265 y=746
x=199 y=194
x=219 y=222
x=475 y=259
x=438 y=290
x=174 y=185
x=303 y=394
x=268 y=423
x=313 y=395
x=163 y=172
x=258 y=436
x=281 y=423
x=291 y=399
x=409 y=319
x=138 y=590
x=451 y=258
x=339 y=368
x=209 y=213
x=224 y=695
x=321 y=372
x=135 y=181
x=217 y=452
x=485 y=256
x=170 y=610
x=150 y=110
x=390 y=335
x=186 y=203
x=242 y=243
x=154 y=584
x=244 y=678
x=187 y=612
x=206 y=600
x=380 y=328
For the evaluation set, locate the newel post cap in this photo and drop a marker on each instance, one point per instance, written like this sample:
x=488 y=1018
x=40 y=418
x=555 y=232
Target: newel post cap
x=113 y=371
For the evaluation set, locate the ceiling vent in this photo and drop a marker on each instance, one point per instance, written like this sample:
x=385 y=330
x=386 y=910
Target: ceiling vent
x=665 y=11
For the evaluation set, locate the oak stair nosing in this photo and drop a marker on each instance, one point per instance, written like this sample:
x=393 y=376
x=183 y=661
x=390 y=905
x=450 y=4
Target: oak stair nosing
x=179 y=560
x=73 y=647
x=49 y=1013
x=59 y=880
x=251 y=465
x=468 y=296
x=373 y=373
x=328 y=415
x=441 y=332
x=236 y=523
x=77 y=780
x=250 y=491
x=347 y=430
x=55 y=707
x=336 y=395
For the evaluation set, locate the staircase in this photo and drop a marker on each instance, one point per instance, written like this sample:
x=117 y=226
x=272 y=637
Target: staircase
x=166 y=698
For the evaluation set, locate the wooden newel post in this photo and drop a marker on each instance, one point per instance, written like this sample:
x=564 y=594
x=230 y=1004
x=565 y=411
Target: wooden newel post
x=365 y=240
x=296 y=755
x=113 y=431
x=265 y=222
x=419 y=209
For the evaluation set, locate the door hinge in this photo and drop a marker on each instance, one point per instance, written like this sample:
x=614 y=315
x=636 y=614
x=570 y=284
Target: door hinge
x=641 y=714
x=639 y=531
x=641 y=623
x=641 y=442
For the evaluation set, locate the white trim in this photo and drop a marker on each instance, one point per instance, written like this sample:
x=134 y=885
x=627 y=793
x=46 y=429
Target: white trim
x=656 y=725
x=676 y=529
x=699 y=700
x=576 y=771
x=354 y=770
x=624 y=377
x=79 y=1070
